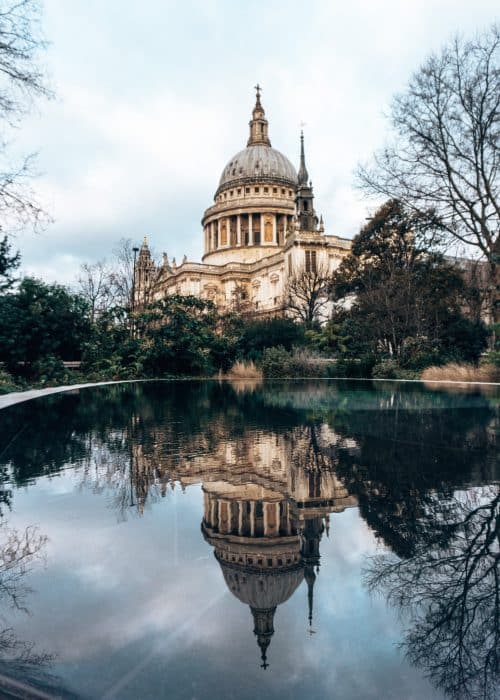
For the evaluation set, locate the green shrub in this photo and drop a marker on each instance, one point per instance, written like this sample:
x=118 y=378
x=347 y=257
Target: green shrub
x=493 y=358
x=359 y=368
x=8 y=383
x=50 y=370
x=257 y=336
x=278 y=362
x=389 y=369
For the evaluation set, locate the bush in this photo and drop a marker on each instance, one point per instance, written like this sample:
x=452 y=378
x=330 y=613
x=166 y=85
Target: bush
x=360 y=368
x=41 y=321
x=278 y=362
x=8 y=383
x=50 y=369
x=257 y=336
x=389 y=369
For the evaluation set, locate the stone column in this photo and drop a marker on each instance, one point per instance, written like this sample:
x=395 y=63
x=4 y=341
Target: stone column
x=240 y=518
x=264 y=509
x=252 y=518
x=218 y=233
x=275 y=230
x=262 y=232
x=250 y=230
x=238 y=230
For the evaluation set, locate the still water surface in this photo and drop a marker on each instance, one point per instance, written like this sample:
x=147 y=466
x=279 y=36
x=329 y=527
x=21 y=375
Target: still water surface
x=284 y=540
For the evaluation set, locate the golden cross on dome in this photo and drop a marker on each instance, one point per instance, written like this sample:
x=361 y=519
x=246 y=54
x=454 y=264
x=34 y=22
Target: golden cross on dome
x=258 y=89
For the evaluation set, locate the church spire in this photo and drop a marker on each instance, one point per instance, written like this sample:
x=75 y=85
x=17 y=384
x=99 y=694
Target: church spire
x=263 y=630
x=310 y=578
x=258 y=124
x=304 y=197
x=303 y=175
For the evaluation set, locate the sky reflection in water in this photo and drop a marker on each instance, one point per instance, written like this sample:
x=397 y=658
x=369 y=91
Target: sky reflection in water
x=197 y=539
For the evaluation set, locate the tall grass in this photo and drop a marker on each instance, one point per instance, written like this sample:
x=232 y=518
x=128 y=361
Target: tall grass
x=455 y=372
x=244 y=370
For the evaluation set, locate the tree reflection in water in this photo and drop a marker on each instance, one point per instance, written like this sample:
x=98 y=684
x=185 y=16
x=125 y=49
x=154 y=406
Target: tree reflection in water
x=22 y=667
x=449 y=591
x=275 y=462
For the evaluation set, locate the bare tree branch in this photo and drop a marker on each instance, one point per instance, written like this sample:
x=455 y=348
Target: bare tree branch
x=306 y=295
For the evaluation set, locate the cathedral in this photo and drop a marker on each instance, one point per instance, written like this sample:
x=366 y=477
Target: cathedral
x=260 y=231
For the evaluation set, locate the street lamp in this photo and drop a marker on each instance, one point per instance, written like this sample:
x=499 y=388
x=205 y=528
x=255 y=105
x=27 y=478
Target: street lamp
x=135 y=250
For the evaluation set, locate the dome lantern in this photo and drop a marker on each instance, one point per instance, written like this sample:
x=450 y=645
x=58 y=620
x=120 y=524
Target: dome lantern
x=258 y=124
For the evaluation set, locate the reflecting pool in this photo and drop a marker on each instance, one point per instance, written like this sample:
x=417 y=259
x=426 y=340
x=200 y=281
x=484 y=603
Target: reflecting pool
x=306 y=539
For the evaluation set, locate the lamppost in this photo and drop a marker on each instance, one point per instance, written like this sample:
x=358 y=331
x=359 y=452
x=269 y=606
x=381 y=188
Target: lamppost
x=135 y=250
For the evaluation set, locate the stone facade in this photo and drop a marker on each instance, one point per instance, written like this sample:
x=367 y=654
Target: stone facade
x=261 y=230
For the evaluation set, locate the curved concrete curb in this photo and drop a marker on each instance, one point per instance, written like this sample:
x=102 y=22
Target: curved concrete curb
x=20 y=396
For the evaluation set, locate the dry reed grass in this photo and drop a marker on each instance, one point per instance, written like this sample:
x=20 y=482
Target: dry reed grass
x=244 y=370
x=455 y=372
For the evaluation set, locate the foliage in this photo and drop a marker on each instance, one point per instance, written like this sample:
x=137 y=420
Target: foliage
x=175 y=336
x=389 y=369
x=8 y=383
x=8 y=263
x=493 y=356
x=256 y=336
x=277 y=362
x=330 y=338
x=406 y=299
x=355 y=368
x=38 y=322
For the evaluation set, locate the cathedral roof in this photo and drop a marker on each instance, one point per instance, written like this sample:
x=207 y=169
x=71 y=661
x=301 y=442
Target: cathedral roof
x=258 y=161
x=262 y=589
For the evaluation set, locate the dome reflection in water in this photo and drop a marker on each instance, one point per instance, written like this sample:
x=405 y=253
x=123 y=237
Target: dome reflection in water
x=312 y=496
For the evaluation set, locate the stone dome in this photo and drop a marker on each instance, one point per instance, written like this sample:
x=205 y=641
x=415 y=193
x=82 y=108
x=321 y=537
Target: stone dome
x=262 y=589
x=258 y=162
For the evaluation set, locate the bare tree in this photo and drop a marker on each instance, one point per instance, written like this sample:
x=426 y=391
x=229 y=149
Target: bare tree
x=121 y=276
x=449 y=590
x=19 y=659
x=18 y=553
x=240 y=300
x=23 y=81
x=95 y=286
x=445 y=155
x=306 y=295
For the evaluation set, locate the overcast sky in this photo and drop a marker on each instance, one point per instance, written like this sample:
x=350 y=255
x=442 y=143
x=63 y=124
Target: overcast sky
x=153 y=98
